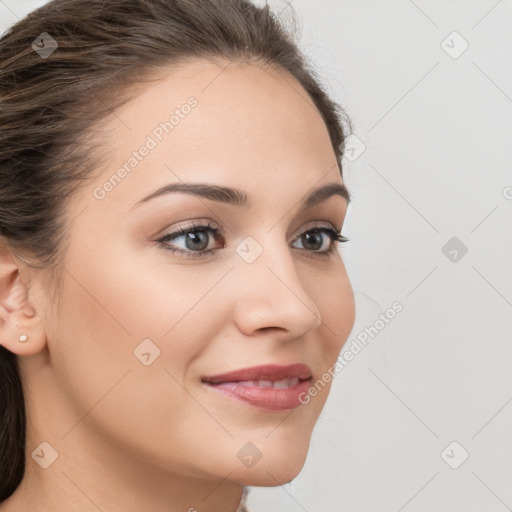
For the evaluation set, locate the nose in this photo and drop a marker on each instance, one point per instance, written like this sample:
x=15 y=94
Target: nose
x=272 y=294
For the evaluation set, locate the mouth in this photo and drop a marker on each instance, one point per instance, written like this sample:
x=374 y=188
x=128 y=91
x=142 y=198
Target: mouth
x=269 y=387
x=268 y=373
x=275 y=384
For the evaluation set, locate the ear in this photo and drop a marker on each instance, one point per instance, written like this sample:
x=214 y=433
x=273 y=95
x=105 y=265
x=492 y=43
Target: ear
x=18 y=311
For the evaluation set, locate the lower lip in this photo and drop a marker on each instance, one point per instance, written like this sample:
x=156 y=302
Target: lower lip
x=272 y=399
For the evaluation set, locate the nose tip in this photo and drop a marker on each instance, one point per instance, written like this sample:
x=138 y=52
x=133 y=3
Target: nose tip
x=274 y=296
x=296 y=288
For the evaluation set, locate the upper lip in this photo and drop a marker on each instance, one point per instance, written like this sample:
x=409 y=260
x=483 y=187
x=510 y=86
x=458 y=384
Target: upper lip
x=264 y=372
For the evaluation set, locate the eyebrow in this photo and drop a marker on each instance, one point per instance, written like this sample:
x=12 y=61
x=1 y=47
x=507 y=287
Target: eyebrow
x=237 y=197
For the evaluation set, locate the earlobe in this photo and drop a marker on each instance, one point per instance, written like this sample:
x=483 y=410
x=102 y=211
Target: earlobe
x=21 y=329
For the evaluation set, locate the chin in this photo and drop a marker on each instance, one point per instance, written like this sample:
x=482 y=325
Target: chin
x=278 y=465
x=280 y=474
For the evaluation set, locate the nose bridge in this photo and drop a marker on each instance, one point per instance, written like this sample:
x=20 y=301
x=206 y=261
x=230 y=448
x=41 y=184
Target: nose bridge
x=272 y=293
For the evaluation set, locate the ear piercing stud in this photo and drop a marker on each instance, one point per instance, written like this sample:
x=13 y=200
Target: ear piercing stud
x=23 y=338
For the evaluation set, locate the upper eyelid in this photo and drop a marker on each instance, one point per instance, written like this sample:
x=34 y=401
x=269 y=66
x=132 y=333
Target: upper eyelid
x=212 y=227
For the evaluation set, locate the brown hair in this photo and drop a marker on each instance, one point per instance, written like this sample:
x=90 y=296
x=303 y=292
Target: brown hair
x=51 y=106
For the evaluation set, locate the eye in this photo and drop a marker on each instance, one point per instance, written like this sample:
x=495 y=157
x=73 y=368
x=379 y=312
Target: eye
x=196 y=237
x=314 y=241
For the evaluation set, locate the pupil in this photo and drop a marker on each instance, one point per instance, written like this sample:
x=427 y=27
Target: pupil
x=195 y=238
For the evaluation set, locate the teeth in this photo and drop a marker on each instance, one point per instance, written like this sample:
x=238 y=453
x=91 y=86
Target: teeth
x=285 y=383
x=278 y=384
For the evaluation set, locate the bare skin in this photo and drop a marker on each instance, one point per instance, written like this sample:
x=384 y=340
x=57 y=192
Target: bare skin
x=131 y=436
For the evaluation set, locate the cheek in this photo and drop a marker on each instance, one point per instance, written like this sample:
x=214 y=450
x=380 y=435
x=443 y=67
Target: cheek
x=106 y=312
x=179 y=307
x=110 y=304
x=148 y=318
x=335 y=301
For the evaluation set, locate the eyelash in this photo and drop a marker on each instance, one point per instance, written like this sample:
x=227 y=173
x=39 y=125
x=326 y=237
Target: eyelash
x=331 y=232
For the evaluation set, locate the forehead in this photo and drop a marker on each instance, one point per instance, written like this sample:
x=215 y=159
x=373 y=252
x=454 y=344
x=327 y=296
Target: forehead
x=236 y=102
x=244 y=125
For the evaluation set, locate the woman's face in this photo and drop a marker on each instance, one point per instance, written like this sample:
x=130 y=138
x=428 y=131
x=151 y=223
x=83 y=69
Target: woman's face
x=139 y=326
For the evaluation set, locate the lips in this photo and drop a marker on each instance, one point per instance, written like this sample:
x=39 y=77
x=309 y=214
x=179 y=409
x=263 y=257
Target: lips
x=263 y=374
x=269 y=387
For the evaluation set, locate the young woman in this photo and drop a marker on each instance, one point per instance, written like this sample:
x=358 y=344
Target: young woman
x=171 y=289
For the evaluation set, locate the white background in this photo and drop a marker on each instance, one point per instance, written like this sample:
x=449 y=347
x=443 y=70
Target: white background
x=436 y=165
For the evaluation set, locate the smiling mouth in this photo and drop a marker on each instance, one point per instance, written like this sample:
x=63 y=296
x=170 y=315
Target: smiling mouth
x=269 y=394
